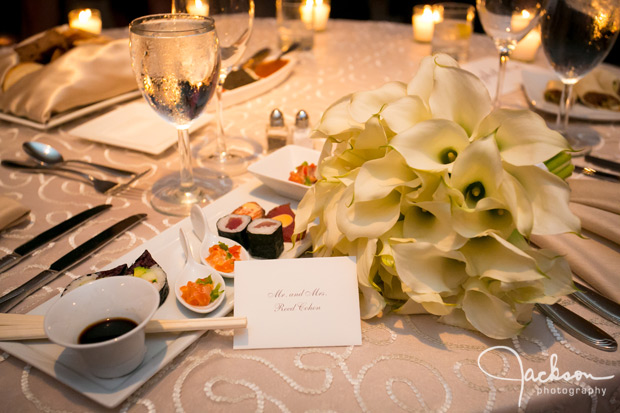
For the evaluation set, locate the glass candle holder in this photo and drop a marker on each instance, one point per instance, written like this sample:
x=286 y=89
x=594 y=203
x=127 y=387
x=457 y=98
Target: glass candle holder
x=85 y=19
x=453 y=29
x=423 y=20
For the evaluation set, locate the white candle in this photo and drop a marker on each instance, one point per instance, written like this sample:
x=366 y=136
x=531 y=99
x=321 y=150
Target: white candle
x=315 y=13
x=321 y=15
x=198 y=8
x=526 y=49
x=518 y=22
x=88 y=20
x=423 y=24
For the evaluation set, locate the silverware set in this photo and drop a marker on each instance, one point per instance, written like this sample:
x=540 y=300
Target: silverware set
x=73 y=257
x=49 y=160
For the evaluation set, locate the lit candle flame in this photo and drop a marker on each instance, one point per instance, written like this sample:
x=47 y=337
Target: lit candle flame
x=85 y=15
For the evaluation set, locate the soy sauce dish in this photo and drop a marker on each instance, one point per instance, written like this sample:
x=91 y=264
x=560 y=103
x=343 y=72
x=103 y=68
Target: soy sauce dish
x=104 y=323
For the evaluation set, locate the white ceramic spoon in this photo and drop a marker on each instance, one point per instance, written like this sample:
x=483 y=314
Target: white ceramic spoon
x=193 y=271
x=208 y=239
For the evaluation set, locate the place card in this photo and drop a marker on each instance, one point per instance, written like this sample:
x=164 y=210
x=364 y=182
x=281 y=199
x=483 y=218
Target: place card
x=303 y=302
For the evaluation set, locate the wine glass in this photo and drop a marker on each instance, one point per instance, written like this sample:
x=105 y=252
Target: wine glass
x=176 y=61
x=233 y=21
x=576 y=37
x=507 y=22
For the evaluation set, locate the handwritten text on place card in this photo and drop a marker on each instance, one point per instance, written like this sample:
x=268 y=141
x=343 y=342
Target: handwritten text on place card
x=310 y=302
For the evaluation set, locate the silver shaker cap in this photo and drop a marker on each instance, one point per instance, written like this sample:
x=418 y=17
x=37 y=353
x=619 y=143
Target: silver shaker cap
x=276 y=118
x=302 y=120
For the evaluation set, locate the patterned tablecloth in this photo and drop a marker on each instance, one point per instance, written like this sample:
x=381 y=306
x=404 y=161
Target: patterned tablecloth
x=406 y=363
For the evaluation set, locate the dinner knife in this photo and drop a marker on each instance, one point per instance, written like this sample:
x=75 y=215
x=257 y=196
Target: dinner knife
x=82 y=251
x=597 y=174
x=27 y=248
x=602 y=162
x=578 y=327
x=596 y=302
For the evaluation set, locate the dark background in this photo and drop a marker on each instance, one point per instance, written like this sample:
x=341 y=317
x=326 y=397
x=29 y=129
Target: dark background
x=20 y=19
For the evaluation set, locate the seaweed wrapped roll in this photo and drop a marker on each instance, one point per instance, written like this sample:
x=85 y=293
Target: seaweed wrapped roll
x=234 y=227
x=265 y=239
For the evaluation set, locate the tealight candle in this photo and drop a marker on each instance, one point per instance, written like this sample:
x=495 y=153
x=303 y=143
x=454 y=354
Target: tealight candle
x=198 y=8
x=85 y=19
x=316 y=13
x=526 y=49
x=423 y=20
x=321 y=14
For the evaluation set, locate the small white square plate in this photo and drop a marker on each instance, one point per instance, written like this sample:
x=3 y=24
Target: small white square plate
x=274 y=169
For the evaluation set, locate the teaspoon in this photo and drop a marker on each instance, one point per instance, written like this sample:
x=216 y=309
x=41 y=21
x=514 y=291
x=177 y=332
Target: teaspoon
x=49 y=156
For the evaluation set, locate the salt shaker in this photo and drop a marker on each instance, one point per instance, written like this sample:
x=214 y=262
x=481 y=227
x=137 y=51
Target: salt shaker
x=277 y=132
x=301 y=133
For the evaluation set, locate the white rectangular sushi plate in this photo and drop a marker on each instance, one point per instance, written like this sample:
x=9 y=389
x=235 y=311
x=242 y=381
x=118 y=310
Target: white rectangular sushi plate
x=161 y=348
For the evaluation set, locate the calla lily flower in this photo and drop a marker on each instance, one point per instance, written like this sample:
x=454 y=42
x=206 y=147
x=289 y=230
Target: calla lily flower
x=368 y=103
x=436 y=195
x=378 y=177
x=451 y=92
x=488 y=313
x=404 y=113
x=431 y=145
x=522 y=136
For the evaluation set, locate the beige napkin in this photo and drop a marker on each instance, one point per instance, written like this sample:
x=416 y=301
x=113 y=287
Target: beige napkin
x=12 y=212
x=84 y=75
x=596 y=258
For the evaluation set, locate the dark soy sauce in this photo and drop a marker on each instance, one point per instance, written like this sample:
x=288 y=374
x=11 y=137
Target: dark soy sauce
x=107 y=329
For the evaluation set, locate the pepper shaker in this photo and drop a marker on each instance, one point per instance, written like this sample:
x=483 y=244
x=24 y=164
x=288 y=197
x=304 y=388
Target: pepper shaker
x=277 y=132
x=301 y=133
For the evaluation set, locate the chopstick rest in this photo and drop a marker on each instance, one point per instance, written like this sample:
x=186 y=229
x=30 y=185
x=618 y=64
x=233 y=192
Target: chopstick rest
x=16 y=327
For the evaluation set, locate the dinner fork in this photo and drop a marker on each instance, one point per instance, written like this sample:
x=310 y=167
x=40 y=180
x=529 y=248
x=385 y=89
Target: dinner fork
x=100 y=185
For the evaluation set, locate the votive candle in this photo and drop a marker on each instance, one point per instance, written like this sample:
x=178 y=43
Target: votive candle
x=423 y=23
x=198 y=7
x=85 y=19
x=528 y=47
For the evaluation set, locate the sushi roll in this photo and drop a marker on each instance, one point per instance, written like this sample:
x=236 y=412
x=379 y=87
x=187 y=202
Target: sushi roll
x=147 y=268
x=285 y=214
x=265 y=239
x=234 y=227
x=88 y=278
x=250 y=208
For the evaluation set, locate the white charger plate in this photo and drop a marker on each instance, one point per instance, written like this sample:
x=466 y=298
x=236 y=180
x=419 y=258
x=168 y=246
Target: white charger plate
x=161 y=348
x=70 y=115
x=535 y=83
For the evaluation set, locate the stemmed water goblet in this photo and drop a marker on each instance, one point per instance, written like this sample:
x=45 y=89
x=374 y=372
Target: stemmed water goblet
x=576 y=37
x=507 y=22
x=176 y=62
x=233 y=21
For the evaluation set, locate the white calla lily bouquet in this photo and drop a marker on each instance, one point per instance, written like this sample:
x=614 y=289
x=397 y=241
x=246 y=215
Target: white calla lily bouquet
x=436 y=194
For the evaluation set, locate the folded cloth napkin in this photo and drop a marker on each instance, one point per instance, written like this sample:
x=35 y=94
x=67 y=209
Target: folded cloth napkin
x=596 y=258
x=12 y=212
x=85 y=74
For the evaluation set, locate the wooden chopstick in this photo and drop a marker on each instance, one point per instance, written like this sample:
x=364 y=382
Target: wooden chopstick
x=16 y=327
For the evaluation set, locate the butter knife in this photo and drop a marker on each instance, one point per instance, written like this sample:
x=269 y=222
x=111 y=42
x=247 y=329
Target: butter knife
x=82 y=251
x=597 y=174
x=27 y=248
x=578 y=327
x=596 y=302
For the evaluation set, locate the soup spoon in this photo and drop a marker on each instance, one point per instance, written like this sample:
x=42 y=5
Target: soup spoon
x=192 y=271
x=47 y=155
x=209 y=239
